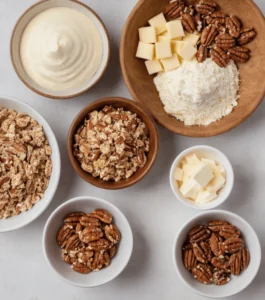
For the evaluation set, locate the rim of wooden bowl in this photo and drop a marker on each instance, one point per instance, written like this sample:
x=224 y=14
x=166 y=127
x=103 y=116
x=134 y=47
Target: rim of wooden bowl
x=171 y=127
x=46 y=94
x=144 y=115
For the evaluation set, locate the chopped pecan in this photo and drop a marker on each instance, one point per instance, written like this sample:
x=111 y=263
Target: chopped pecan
x=101 y=244
x=233 y=26
x=220 y=277
x=203 y=273
x=189 y=259
x=228 y=231
x=216 y=244
x=232 y=245
x=208 y=35
x=90 y=234
x=112 y=233
x=205 y=7
x=103 y=215
x=246 y=36
x=84 y=256
x=202 y=54
x=174 y=9
x=216 y=225
x=239 y=54
x=225 y=41
x=188 y=22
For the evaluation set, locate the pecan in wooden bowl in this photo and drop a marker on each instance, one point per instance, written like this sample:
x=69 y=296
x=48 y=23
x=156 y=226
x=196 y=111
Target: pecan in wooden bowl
x=113 y=143
x=217 y=254
x=85 y=235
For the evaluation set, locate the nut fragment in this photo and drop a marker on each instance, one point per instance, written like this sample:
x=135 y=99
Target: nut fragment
x=233 y=25
x=188 y=22
x=203 y=273
x=174 y=9
x=246 y=36
x=205 y=7
x=239 y=54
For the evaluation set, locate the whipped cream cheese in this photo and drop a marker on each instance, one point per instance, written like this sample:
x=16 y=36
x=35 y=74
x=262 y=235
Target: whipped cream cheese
x=61 y=49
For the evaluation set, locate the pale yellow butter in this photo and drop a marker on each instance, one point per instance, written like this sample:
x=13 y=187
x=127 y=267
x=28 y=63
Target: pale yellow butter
x=163 y=49
x=145 y=51
x=170 y=63
x=147 y=35
x=175 y=29
x=153 y=66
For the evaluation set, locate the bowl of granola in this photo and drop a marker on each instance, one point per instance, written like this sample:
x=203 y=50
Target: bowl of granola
x=113 y=143
x=87 y=241
x=30 y=164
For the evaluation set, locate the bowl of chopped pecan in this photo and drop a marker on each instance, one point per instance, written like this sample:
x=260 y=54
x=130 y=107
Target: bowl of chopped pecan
x=87 y=241
x=30 y=164
x=113 y=143
x=217 y=254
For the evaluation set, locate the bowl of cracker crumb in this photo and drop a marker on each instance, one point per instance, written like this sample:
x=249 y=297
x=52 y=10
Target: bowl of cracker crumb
x=30 y=164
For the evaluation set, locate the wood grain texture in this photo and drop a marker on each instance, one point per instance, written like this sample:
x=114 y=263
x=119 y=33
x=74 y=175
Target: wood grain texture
x=153 y=136
x=142 y=88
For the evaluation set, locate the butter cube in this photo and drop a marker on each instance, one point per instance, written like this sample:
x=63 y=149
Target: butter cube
x=147 y=35
x=145 y=51
x=163 y=38
x=187 y=51
x=216 y=184
x=192 y=38
x=205 y=196
x=208 y=161
x=188 y=171
x=178 y=174
x=189 y=189
x=175 y=29
x=159 y=22
x=177 y=46
x=153 y=66
x=192 y=159
x=163 y=49
x=203 y=175
x=165 y=33
x=170 y=63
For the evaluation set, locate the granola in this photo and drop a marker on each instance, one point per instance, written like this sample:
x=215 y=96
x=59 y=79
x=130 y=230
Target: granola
x=25 y=162
x=88 y=241
x=111 y=144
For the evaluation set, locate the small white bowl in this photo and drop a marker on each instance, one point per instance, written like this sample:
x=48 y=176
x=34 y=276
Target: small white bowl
x=211 y=153
x=18 y=30
x=237 y=283
x=27 y=217
x=52 y=251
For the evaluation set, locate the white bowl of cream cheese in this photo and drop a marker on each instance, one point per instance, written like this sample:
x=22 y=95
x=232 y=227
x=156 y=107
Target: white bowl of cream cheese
x=59 y=48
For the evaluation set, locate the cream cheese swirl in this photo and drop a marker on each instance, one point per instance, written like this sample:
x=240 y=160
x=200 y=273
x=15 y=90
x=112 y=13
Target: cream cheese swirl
x=61 y=49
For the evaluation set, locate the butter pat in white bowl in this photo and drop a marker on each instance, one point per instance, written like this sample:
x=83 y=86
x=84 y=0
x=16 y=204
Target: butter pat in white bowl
x=201 y=177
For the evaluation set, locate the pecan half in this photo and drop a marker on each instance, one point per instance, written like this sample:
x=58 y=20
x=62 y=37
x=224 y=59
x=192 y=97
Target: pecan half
x=78 y=228
x=199 y=253
x=103 y=215
x=225 y=41
x=101 y=244
x=189 y=259
x=174 y=9
x=200 y=235
x=218 y=14
x=188 y=22
x=203 y=273
x=246 y=36
x=245 y=259
x=219 y=56
x=220 y=277
x=205 y=7
x=216 y=225
x=233 y=25
x=208 y=35
x=206 y=249
x=232 y=245
x=202 y=54
x=235 y=263
x=112 y=251
x=73 y=217
x=90 y=234
x=239 y=54
x=220 y=263
x=228 y=231
x=73 y=242
x=216 y=244
x=80 y=268
x=64 y=234
x=97 y=262
x=88 y=221
x=84 y=256
x=112 y=233
x=66 y=257
x=187 y=246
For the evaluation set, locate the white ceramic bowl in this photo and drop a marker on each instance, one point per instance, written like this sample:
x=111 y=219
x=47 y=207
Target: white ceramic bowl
x=237 y=283
x=52 y=251
x=211 y=153
x=29 y=14
x=27 y=217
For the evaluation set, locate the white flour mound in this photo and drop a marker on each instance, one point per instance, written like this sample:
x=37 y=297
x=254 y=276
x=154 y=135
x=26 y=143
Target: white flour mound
x=199 y=93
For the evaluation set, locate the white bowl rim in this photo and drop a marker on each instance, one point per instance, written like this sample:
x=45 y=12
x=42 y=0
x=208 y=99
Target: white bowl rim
x=205 y=213
x=50 y=94
x=213 y=204
x=85 y=198
x=55 y=148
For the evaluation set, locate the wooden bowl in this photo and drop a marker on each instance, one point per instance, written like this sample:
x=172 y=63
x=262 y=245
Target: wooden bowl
x=127 y=105
x=18 y=30
x=142 y=88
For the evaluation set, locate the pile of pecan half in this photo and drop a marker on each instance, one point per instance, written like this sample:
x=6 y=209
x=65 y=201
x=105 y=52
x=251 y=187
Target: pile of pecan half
x=222 y=36
x=88 y=241
x=112 y=144
x=214 y=251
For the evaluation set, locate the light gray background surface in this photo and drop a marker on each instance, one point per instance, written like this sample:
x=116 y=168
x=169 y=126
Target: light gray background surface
x=150 y=206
